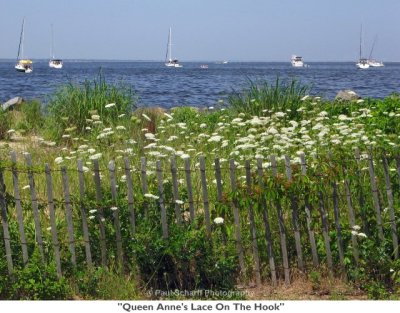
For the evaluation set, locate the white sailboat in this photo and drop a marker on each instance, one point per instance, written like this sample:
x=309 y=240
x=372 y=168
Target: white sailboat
x=53 y=62
x=362 y=62
x=372 y=62
x=169 y=61
x=23 y=65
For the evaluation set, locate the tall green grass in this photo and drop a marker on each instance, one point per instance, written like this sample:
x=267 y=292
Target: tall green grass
x=262 y=96
x=73 y=105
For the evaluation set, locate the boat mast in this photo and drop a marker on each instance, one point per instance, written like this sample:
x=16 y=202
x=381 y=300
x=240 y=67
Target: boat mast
x=52 y=43
x=361 y=42
x=21 y=42
x=373 y=46
x=170 y=43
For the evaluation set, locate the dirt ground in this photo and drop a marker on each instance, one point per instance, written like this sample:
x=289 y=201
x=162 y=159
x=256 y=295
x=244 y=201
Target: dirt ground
x=304 y=289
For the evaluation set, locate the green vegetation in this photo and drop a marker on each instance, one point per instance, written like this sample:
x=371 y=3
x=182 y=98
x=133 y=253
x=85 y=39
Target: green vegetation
x=75 y=107
x=96 y=121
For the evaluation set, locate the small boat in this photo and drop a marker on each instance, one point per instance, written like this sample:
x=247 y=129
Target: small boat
x=362 y=62
x=204 y=66
x=169 y=61
x=297 y=61
x=53 y=62
x=372 y=62
x=375 y=63
x=23 y=65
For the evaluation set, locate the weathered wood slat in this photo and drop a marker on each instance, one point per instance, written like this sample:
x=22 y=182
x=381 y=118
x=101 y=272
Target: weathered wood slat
x=175 y=192
x=206 y=204
x=85 y=229
x=338 y=226
x=35 y=206
x=164 y=222
x=295 y=216
x=189 y=189
x=68 y=215
x=236 y=216
x=281 y=224
x=4 y=222
x=53 y=221
x=361 y=196
x=268 y=236
x=325 y=231
x=392 y=216
x=375 y=196
x=308 y=209
x=115 y=208
x=131 y=204
x=218 y=179
x=352 y=220
x=145 y=188
x=253 y=231
x=18 y=207
x=100 y=212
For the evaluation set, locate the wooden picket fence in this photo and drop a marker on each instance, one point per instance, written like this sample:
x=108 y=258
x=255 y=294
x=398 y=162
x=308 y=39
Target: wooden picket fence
x=305 y=216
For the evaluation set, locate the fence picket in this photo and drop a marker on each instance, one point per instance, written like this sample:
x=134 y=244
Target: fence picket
x=281 y=224
x=145 y=188
x=253 y=231
x=389 y=193
x=375 y=196
x=336 y=214
x=161 y=201
x=100 y=213
x=325 y=231
x=35 y=205
x=68 y=214
x=131 y=204
x=18 y=207
x=218 y=179
x=352 y=219
x=361 y=197
x=85 y=230
x=238 y=236
x=205 y=195
x=189 y=189
x=175 y=192
x=308 y=209
x=4 y=222
x=295 y=216
x=268 y=236
x=115 y=208
x=53 y=222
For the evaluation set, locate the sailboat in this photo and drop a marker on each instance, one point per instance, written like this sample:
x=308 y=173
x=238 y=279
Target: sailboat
x=54 y=63
x=372 y=62
x=362 y=62
x=23 y=65
x=169 y=61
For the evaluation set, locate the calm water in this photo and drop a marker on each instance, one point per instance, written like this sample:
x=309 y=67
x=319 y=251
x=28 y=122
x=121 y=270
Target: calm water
x=191 y=85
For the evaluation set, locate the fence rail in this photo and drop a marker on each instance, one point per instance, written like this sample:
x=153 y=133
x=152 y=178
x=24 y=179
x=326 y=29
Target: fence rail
x=284 y=215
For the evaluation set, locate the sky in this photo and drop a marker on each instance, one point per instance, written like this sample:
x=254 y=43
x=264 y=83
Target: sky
x=202 y=30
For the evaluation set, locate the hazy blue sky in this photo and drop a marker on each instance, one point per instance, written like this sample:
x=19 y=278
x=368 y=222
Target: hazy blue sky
x=248 y=30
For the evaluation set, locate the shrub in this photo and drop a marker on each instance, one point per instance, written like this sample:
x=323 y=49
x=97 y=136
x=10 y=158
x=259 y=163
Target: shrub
x=188 y=260
x=36 y=281
x=72 y=106
x=280 y=96
x=5 y=124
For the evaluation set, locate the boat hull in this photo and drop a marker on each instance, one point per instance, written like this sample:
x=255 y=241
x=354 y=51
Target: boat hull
x=56 y=64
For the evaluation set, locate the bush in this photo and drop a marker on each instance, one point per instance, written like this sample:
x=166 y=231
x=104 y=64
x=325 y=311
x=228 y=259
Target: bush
x=5 y=124
x=73 y=106
x=264 y=96
x=36 y=281
x=188 y=260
